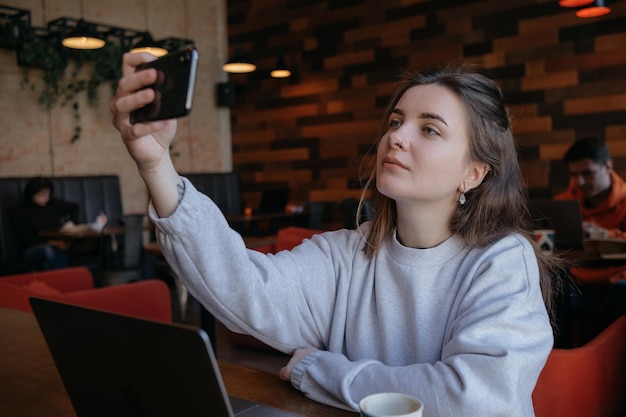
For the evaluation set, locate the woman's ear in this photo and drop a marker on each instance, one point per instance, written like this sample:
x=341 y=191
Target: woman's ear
x=476 y=174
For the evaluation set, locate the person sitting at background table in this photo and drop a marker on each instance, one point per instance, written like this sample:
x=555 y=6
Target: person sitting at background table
x=443 y=295
x=602 y=196
x=599 y=189
x=40 y=211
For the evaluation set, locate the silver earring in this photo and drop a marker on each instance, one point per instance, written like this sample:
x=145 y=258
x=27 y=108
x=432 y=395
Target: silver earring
x=462 y=199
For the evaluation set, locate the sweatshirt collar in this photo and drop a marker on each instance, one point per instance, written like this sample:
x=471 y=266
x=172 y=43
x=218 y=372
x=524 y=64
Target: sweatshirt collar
x=424 y=257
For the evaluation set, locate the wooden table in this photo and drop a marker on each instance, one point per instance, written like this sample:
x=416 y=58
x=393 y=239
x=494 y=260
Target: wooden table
x=585 y=259
x=268 y=389
x=106 y=237
x=81 y=232
x=29 y=382
x=30 y=385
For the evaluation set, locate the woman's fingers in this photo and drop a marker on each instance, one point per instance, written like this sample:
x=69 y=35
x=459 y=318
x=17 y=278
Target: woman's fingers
x=285 y=371
x=131 y=61
x=125 y=103
x=132 y=92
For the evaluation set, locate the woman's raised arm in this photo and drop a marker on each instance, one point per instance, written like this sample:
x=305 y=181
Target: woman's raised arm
x=147 y=143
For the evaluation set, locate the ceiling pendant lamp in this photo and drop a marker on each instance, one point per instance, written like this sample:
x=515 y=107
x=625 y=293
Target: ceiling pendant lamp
x=239 y=64
x=281 y=70
x=595 y=9
x=147 y=44
x=280 y=73
x=83 y=36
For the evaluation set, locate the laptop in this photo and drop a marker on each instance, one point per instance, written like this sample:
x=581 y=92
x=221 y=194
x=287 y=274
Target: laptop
x=563 y=216
x=118 y=365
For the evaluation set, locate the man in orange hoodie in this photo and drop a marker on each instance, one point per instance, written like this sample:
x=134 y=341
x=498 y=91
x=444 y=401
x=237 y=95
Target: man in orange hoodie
x=600 y=191
x=602 y=197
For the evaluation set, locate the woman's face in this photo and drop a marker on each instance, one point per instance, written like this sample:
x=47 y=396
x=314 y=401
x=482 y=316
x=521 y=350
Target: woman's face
x=423 y=156
x=42 y=197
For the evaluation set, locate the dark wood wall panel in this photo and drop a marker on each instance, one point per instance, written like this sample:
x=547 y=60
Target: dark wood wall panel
x=564 y=78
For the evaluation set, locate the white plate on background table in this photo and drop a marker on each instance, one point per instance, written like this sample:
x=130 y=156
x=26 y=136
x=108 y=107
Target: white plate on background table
x=613 y=255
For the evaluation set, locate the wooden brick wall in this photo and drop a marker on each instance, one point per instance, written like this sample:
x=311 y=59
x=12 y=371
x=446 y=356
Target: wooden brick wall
x=564 y=77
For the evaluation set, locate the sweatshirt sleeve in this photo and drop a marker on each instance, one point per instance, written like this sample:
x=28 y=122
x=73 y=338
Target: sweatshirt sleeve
x=250 y=292
x=450 y=387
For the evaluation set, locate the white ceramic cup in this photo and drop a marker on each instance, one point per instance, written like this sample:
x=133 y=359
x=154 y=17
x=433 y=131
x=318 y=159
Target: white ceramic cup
x=598 y=233
x=545 y=239
x=390 y=404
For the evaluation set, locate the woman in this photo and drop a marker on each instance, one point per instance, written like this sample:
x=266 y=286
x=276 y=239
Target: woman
x=441 y=296
x=41 y=211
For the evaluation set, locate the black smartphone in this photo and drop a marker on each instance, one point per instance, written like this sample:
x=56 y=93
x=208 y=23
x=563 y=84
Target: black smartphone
x=173 y=89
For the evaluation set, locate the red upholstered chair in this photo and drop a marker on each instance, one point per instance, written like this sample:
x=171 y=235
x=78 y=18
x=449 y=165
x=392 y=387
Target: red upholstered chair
x=16 y=289
x=587 y=381
x=287 y=238
x=147 y=298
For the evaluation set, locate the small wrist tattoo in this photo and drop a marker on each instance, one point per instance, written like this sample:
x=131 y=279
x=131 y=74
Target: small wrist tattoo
x=181 y=190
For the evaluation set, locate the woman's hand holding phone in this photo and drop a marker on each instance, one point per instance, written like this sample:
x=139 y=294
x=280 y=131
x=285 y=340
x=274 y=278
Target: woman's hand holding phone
x=148 y=143
x=173 y=87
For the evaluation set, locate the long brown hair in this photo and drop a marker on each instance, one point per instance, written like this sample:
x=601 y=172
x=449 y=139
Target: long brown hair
x=497 y=207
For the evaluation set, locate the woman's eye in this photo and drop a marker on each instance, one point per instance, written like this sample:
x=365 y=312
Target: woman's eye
x=394 y=123
x=430 y=131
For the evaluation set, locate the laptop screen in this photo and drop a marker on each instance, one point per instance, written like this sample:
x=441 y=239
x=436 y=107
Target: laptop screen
x=117 y=365
x=563 y=216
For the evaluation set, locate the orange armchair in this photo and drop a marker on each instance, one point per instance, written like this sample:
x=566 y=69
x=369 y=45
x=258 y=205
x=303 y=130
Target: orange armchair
x=287 y=238
x=148 y=298
x=587 y=381
x=16 y=289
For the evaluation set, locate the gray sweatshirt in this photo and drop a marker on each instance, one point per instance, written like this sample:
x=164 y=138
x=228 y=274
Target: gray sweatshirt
x=463 y=329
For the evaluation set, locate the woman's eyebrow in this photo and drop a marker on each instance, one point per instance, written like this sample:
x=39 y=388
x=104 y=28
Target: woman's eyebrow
x=433 y=116
x=422 y=115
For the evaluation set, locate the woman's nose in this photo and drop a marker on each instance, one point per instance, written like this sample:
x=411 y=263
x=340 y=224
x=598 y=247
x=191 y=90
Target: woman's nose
x=396 y=141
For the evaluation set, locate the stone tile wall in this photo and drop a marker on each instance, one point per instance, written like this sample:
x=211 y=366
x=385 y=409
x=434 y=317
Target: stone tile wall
x=564 y=77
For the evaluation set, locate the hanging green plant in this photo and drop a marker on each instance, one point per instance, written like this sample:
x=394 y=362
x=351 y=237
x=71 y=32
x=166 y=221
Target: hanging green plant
x=89 y=70
x=40 y=52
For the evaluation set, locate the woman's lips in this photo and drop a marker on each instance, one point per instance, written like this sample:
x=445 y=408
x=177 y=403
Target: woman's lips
x=388 y=160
